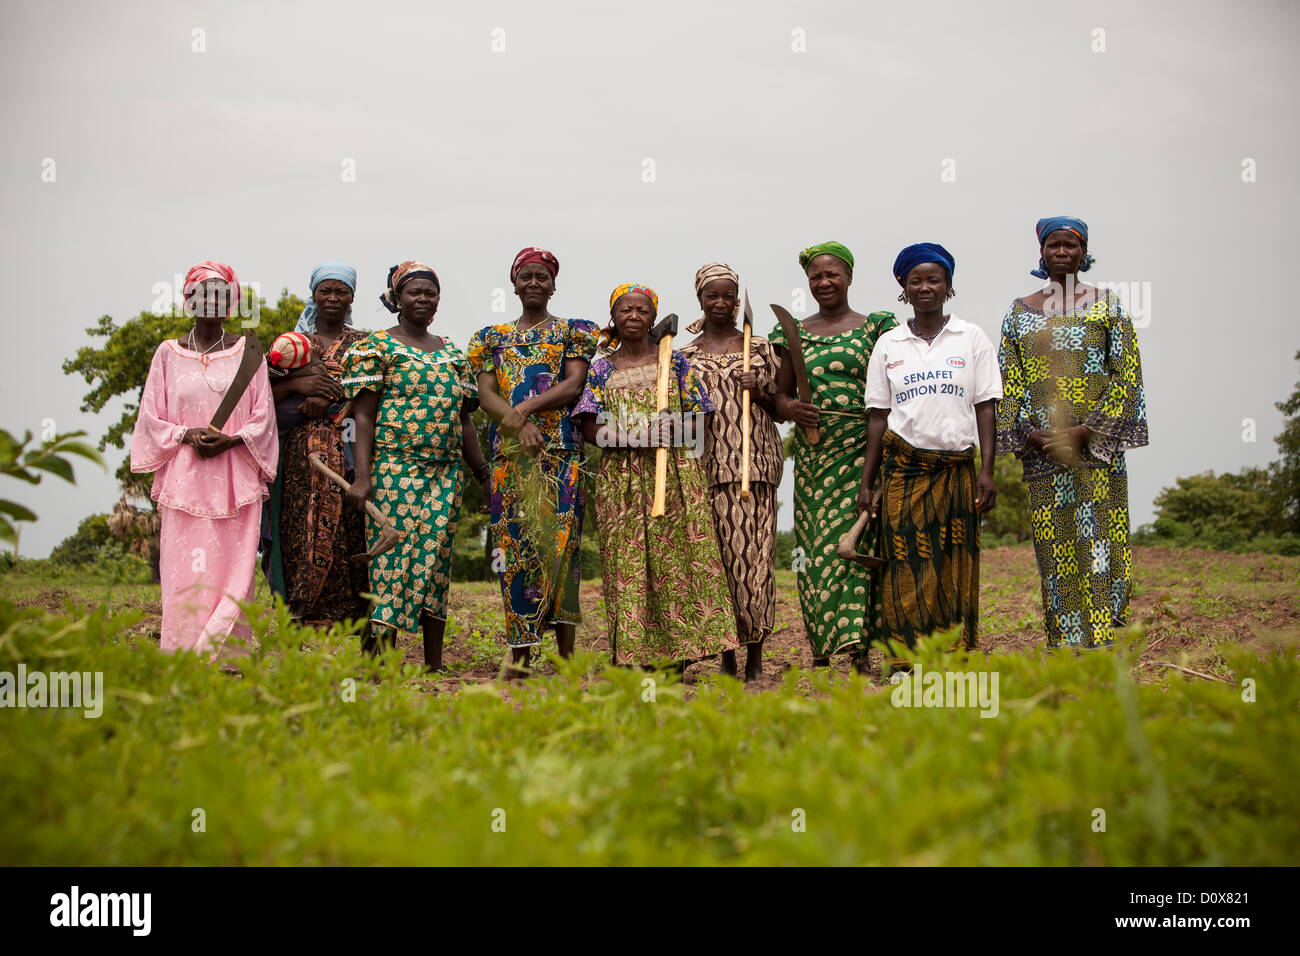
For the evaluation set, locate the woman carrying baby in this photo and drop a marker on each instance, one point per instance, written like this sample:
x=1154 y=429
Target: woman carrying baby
x=312 y=534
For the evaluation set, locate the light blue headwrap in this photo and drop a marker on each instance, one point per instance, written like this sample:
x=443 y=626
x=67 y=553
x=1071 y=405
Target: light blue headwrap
x=326 y=270
x=1050 y=225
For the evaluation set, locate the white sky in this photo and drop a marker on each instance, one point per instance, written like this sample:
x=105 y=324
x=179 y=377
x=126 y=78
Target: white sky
x=165 y=156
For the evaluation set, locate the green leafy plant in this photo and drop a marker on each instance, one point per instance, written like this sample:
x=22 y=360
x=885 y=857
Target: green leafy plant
x=17 y=461
x=348 y=760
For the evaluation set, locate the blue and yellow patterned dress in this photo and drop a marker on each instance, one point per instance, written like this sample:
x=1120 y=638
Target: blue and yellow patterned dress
x=539 y=579
x=416 y=468
x=1059 y=370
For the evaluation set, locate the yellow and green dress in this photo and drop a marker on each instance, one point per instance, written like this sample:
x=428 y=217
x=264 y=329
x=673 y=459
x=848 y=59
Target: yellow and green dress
x=416 y=469
x=1077 y=368
x=539 y=579
x=840 y=599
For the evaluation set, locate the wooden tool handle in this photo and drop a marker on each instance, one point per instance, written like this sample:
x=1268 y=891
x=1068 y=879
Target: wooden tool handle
x=856 y=531
x=745 y=425
x=661 y=454
x=744 y=446
x=371 y=508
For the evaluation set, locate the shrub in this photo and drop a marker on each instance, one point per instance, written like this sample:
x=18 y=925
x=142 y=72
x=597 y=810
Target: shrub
x=1008 y=522
x=1237 y=507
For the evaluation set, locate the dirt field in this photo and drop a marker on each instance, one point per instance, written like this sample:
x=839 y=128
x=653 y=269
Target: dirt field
x=1189 y=602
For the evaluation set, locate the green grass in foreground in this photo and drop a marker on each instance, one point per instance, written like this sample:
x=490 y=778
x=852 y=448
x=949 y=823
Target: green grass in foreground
x=583 y=768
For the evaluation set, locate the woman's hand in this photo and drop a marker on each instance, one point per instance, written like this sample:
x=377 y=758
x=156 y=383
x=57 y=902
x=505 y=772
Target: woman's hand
x=485 y=485
x=1065 y=444
x=530 y=437
x=802 y=413
x=748 y=381
x=315 y=406
x=986 y=494
x=209 y=444
x=513 y=421
x=359 y=492
x=319 y=386
x=870 y=502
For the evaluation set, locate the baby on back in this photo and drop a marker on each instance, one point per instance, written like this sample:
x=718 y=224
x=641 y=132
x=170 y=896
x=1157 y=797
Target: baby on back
x=295 y=355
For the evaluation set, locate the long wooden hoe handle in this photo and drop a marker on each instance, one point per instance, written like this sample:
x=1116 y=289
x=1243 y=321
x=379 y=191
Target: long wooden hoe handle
x=745 y=425
x=661 y=453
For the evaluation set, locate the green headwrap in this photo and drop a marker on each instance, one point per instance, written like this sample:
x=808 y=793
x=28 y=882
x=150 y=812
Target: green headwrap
x=837 y=249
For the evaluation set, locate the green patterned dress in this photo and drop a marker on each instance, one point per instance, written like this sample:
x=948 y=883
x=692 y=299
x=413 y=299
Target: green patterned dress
x=839 y=599
x=416 y=468
x=666 y=594
x=1081 y=367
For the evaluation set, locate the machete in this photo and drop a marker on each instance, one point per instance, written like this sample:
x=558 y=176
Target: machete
x=248 y=366
x=794 y=347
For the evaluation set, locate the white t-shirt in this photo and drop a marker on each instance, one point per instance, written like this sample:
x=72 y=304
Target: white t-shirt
x=931 y=389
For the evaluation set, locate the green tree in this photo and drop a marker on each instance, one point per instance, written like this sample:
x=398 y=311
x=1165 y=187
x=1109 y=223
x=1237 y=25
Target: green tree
x=1284 y=474
x=1240 y=506
x=83 y=545
x=119 y=367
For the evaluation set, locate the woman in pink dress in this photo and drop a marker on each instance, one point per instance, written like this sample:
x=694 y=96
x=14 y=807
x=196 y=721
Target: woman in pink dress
x=208 y=485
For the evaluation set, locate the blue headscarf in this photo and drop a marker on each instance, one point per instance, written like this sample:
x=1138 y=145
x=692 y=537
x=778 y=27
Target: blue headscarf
x=326 y=270
x=1052 y=223
x=913 y=256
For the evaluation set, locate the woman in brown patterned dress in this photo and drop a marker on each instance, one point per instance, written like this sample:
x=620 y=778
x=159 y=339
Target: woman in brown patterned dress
x=313 y=536
x=746 y=528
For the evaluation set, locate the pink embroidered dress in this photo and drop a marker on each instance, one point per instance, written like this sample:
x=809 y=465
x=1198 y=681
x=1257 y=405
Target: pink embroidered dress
x=210 y=508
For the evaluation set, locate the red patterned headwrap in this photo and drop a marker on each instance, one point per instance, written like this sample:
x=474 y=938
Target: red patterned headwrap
x=534 y=254
x=211 y=269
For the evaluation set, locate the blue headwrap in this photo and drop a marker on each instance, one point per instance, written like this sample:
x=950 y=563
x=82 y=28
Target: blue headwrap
x=326 y=270
x=1052 y=223
x=913 y=256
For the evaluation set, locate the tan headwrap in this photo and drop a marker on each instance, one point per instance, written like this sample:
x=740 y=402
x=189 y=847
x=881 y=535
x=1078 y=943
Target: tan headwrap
x=706 y=274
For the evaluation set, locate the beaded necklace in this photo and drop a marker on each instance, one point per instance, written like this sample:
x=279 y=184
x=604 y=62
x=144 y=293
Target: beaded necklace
x=203 y=357
x=926 y=338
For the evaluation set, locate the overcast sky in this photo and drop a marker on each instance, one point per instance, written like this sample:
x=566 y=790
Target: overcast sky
x=639 y=142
